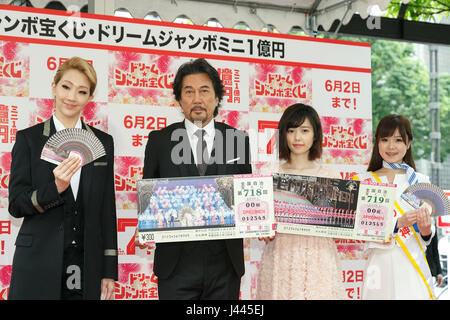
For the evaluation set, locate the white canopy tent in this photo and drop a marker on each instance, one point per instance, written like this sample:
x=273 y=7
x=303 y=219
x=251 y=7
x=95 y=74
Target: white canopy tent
x=257 y=14
x=283 y=15
x=360 y=18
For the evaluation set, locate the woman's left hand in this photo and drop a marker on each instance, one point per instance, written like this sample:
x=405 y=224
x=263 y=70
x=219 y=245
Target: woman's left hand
x=388 y=241
x=424 y=221
x=107 y=289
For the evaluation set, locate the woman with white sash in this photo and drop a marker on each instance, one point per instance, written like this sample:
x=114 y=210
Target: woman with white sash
x=398 y=269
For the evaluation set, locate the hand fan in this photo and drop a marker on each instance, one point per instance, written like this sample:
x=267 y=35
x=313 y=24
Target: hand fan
x=430 y=194
x=416 y=203
x=72 y=142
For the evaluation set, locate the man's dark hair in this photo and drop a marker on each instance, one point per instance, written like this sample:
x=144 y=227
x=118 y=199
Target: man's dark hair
x=194 y=67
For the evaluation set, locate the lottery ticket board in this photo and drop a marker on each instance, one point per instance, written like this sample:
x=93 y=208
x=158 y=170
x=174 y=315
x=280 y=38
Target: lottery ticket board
x=205 y=208
x=335 y=208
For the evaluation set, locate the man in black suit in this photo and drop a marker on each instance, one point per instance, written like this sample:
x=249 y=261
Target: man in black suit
x=198 y=269
x=434 y=261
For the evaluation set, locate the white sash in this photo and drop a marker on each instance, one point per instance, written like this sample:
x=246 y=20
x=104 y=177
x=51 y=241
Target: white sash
x=409 y=241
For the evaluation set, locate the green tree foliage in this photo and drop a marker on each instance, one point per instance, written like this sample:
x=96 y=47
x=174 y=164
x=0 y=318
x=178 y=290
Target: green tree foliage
x=420 y=10
x=444 y=103
x=401 y=85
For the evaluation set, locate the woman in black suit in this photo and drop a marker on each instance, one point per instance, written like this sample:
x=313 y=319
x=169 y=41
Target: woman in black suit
x=67 y=245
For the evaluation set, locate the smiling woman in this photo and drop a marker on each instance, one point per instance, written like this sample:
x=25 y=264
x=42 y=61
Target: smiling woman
x=59 y=251
x=298 y=117
x=398 y=269
x=300 y=139
x=394 y=136
x=297 y=267
x=73 y=87
x=71 y=95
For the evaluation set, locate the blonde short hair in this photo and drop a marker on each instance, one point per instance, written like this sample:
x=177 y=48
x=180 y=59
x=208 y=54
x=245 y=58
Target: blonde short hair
x=81 y=65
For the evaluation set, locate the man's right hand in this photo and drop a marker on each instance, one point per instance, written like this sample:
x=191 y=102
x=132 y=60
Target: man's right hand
x=139 y=244
x=266 y=239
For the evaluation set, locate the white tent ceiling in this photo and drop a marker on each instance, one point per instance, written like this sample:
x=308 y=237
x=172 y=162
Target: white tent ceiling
x=257 y=14
x=282 y=14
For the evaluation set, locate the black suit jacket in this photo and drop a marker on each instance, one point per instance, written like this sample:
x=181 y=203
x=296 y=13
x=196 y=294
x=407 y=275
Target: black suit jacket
x=168 y=154
x=38 y=258
x=433 y=258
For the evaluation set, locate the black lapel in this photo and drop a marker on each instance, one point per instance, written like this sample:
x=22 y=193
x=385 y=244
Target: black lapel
x=47 y=131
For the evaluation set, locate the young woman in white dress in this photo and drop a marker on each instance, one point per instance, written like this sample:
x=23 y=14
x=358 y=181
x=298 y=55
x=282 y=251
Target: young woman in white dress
x=398 y=269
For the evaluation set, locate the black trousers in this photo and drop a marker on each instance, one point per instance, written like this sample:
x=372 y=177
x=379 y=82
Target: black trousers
x=72 y=273
x=204 y=272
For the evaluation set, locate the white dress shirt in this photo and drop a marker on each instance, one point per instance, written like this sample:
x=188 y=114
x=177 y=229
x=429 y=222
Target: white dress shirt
x=75 y=180
x=209 y=135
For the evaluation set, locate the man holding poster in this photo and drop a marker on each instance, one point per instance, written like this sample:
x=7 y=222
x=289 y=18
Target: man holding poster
x=198 y=146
